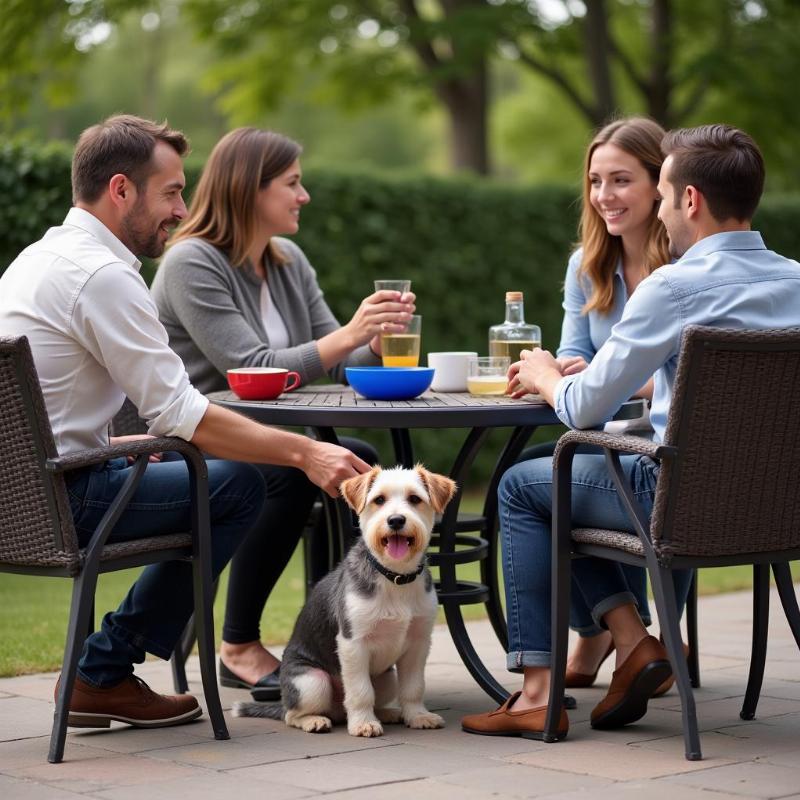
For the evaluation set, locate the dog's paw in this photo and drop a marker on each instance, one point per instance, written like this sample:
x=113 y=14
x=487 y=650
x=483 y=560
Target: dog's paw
x=314 y=724
x=367 y=727
x=425 y=719
x=389 y=716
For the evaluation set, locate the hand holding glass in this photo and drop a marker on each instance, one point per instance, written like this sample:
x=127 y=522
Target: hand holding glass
x=401 y=349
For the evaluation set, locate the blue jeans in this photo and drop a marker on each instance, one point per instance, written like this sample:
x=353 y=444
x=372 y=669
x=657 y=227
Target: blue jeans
x=158 y=606
x=580 y=615
x=525 y=501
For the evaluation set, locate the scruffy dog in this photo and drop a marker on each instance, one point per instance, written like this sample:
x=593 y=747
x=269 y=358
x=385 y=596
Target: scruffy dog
x=360 y=643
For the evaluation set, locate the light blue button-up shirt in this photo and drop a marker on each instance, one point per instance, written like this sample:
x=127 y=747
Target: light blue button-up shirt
x=583 y=334
x=728 y=280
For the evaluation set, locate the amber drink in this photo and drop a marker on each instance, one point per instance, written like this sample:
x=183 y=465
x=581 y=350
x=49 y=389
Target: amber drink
x=514 y=335
x=488 y=376
x=402 y=349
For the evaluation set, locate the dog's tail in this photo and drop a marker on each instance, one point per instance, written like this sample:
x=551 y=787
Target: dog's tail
x=269 y=710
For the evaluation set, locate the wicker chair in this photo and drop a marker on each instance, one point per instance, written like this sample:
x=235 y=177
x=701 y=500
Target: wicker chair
x=726 y=494
x=38 y=536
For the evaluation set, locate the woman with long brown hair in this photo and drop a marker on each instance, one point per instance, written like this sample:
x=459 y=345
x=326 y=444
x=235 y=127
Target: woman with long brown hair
x=232 y=292
x=621 y=241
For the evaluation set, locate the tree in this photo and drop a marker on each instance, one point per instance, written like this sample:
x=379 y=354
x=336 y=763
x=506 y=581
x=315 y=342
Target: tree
x=675 y=60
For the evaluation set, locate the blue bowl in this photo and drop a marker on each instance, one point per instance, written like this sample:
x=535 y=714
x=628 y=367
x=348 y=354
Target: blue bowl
x=389 y=383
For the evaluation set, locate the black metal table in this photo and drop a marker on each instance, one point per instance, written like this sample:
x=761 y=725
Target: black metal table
x=458 y=539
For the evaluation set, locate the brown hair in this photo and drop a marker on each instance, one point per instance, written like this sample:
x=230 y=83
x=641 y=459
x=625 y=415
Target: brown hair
x=222 y=211
x=723 y=163
x=122 y=144
x=640 y=137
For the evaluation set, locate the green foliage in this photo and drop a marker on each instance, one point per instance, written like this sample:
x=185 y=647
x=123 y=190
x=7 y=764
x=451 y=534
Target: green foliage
x=463 y=243
x=34 y=194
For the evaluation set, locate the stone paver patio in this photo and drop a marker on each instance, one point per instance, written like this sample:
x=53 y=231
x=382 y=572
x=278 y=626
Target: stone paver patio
x=264 y=759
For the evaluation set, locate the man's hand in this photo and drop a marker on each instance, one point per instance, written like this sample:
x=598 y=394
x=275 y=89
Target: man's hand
x=536 y=372
x=327 y=465
x=135 y=437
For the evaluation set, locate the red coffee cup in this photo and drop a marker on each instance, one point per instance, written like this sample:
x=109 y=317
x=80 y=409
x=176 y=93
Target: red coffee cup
x=261 y=383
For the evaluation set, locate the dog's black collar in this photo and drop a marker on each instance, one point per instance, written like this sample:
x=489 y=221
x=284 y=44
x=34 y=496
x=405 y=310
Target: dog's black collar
x=397 y=578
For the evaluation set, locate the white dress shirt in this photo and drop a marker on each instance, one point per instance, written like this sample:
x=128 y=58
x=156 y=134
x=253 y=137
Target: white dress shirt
x=95 y=335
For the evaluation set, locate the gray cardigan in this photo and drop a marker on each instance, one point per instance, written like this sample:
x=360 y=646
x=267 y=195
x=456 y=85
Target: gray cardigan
x=212 y=314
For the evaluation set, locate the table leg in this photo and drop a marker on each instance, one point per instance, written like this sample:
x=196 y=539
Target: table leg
x=447 y=572
x=494 y=606
x=403 y=449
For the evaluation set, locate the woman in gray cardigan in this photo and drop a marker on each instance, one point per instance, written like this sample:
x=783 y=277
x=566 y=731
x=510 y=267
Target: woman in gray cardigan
x=232 y=294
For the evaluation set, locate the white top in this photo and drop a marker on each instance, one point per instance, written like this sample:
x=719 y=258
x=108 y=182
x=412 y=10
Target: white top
x=275 y=327
x=95 y=335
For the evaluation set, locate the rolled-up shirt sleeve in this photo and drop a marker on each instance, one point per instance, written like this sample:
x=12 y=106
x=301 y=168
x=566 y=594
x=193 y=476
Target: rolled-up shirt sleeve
x=645 y=338
x=131 y=343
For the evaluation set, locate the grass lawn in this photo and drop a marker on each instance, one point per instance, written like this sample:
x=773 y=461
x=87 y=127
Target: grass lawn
x=34 y=611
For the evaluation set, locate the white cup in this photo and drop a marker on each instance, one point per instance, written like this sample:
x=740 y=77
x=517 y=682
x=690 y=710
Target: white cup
x=451 y=370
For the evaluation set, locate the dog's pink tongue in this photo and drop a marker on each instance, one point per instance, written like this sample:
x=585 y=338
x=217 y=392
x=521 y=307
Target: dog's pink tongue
x=398 y=546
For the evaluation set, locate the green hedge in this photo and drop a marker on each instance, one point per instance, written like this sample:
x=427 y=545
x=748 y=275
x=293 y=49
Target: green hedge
x=462 y=242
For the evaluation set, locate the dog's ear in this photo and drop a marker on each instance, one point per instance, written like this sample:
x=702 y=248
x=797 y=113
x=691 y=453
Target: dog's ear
x=355 y=490
x=440 y=488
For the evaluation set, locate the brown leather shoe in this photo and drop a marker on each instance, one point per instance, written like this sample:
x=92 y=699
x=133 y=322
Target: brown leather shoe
x=504 y=721
x=632 y=685
x=131 y=701
x=580 y=680
x=667 y=685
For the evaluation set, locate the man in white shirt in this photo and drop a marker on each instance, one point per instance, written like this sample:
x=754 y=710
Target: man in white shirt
x=95 y=335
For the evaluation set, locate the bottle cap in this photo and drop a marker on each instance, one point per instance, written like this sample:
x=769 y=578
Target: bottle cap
x=513 y=297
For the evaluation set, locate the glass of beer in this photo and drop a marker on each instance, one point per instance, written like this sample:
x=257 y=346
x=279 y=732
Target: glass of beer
x=402 y=349
x=488 y=375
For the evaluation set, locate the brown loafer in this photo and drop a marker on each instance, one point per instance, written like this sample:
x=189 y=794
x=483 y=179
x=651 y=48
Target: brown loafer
x=131 y=701
x=667 y=685
x=632 y=685
x=504 y=721
x=580 y=680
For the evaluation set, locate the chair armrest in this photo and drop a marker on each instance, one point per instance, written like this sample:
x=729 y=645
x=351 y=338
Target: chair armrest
x=620 y=442
x=138 y=447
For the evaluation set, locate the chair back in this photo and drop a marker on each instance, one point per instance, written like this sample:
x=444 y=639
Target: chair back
x=36 y=528
x=732 y=489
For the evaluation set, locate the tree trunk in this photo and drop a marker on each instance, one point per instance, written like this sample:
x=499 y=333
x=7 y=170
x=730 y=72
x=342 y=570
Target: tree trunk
x=598 y=52
x=660 y=95
x=466 y=101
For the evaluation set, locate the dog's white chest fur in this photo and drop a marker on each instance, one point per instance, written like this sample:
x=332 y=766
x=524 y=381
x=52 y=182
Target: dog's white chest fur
x=390 y=621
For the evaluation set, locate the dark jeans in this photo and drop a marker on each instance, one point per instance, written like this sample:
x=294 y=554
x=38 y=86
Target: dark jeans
x=580 y=615
x=266 y=551
x=158 y=606
x=525 y=498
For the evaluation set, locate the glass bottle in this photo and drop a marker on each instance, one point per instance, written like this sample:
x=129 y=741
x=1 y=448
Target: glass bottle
x=514 y=335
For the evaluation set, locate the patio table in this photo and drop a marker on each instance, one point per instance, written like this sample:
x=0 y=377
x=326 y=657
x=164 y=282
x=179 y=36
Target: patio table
x=458 y=538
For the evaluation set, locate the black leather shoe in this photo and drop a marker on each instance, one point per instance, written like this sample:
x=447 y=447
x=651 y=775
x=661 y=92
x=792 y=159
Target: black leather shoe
x=267 y=688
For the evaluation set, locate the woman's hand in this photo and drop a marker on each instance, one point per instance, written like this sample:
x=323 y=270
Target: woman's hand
x=382 y=312
x=570 y=365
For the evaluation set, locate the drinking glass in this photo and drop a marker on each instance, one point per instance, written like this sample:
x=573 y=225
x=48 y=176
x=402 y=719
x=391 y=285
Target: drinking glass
x=394 y=285
x=488 y=375
x=402 y=349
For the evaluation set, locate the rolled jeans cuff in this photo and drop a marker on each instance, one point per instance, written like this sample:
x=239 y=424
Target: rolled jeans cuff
x=609 y=604
x=519 y=659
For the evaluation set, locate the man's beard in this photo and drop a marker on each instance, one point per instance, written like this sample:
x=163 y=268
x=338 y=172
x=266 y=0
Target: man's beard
x=141 y=239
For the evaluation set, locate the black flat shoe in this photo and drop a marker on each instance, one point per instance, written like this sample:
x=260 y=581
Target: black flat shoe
x=267 y=688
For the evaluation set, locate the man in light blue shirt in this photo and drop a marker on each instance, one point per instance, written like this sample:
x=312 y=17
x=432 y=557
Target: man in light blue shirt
x=723 y=276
